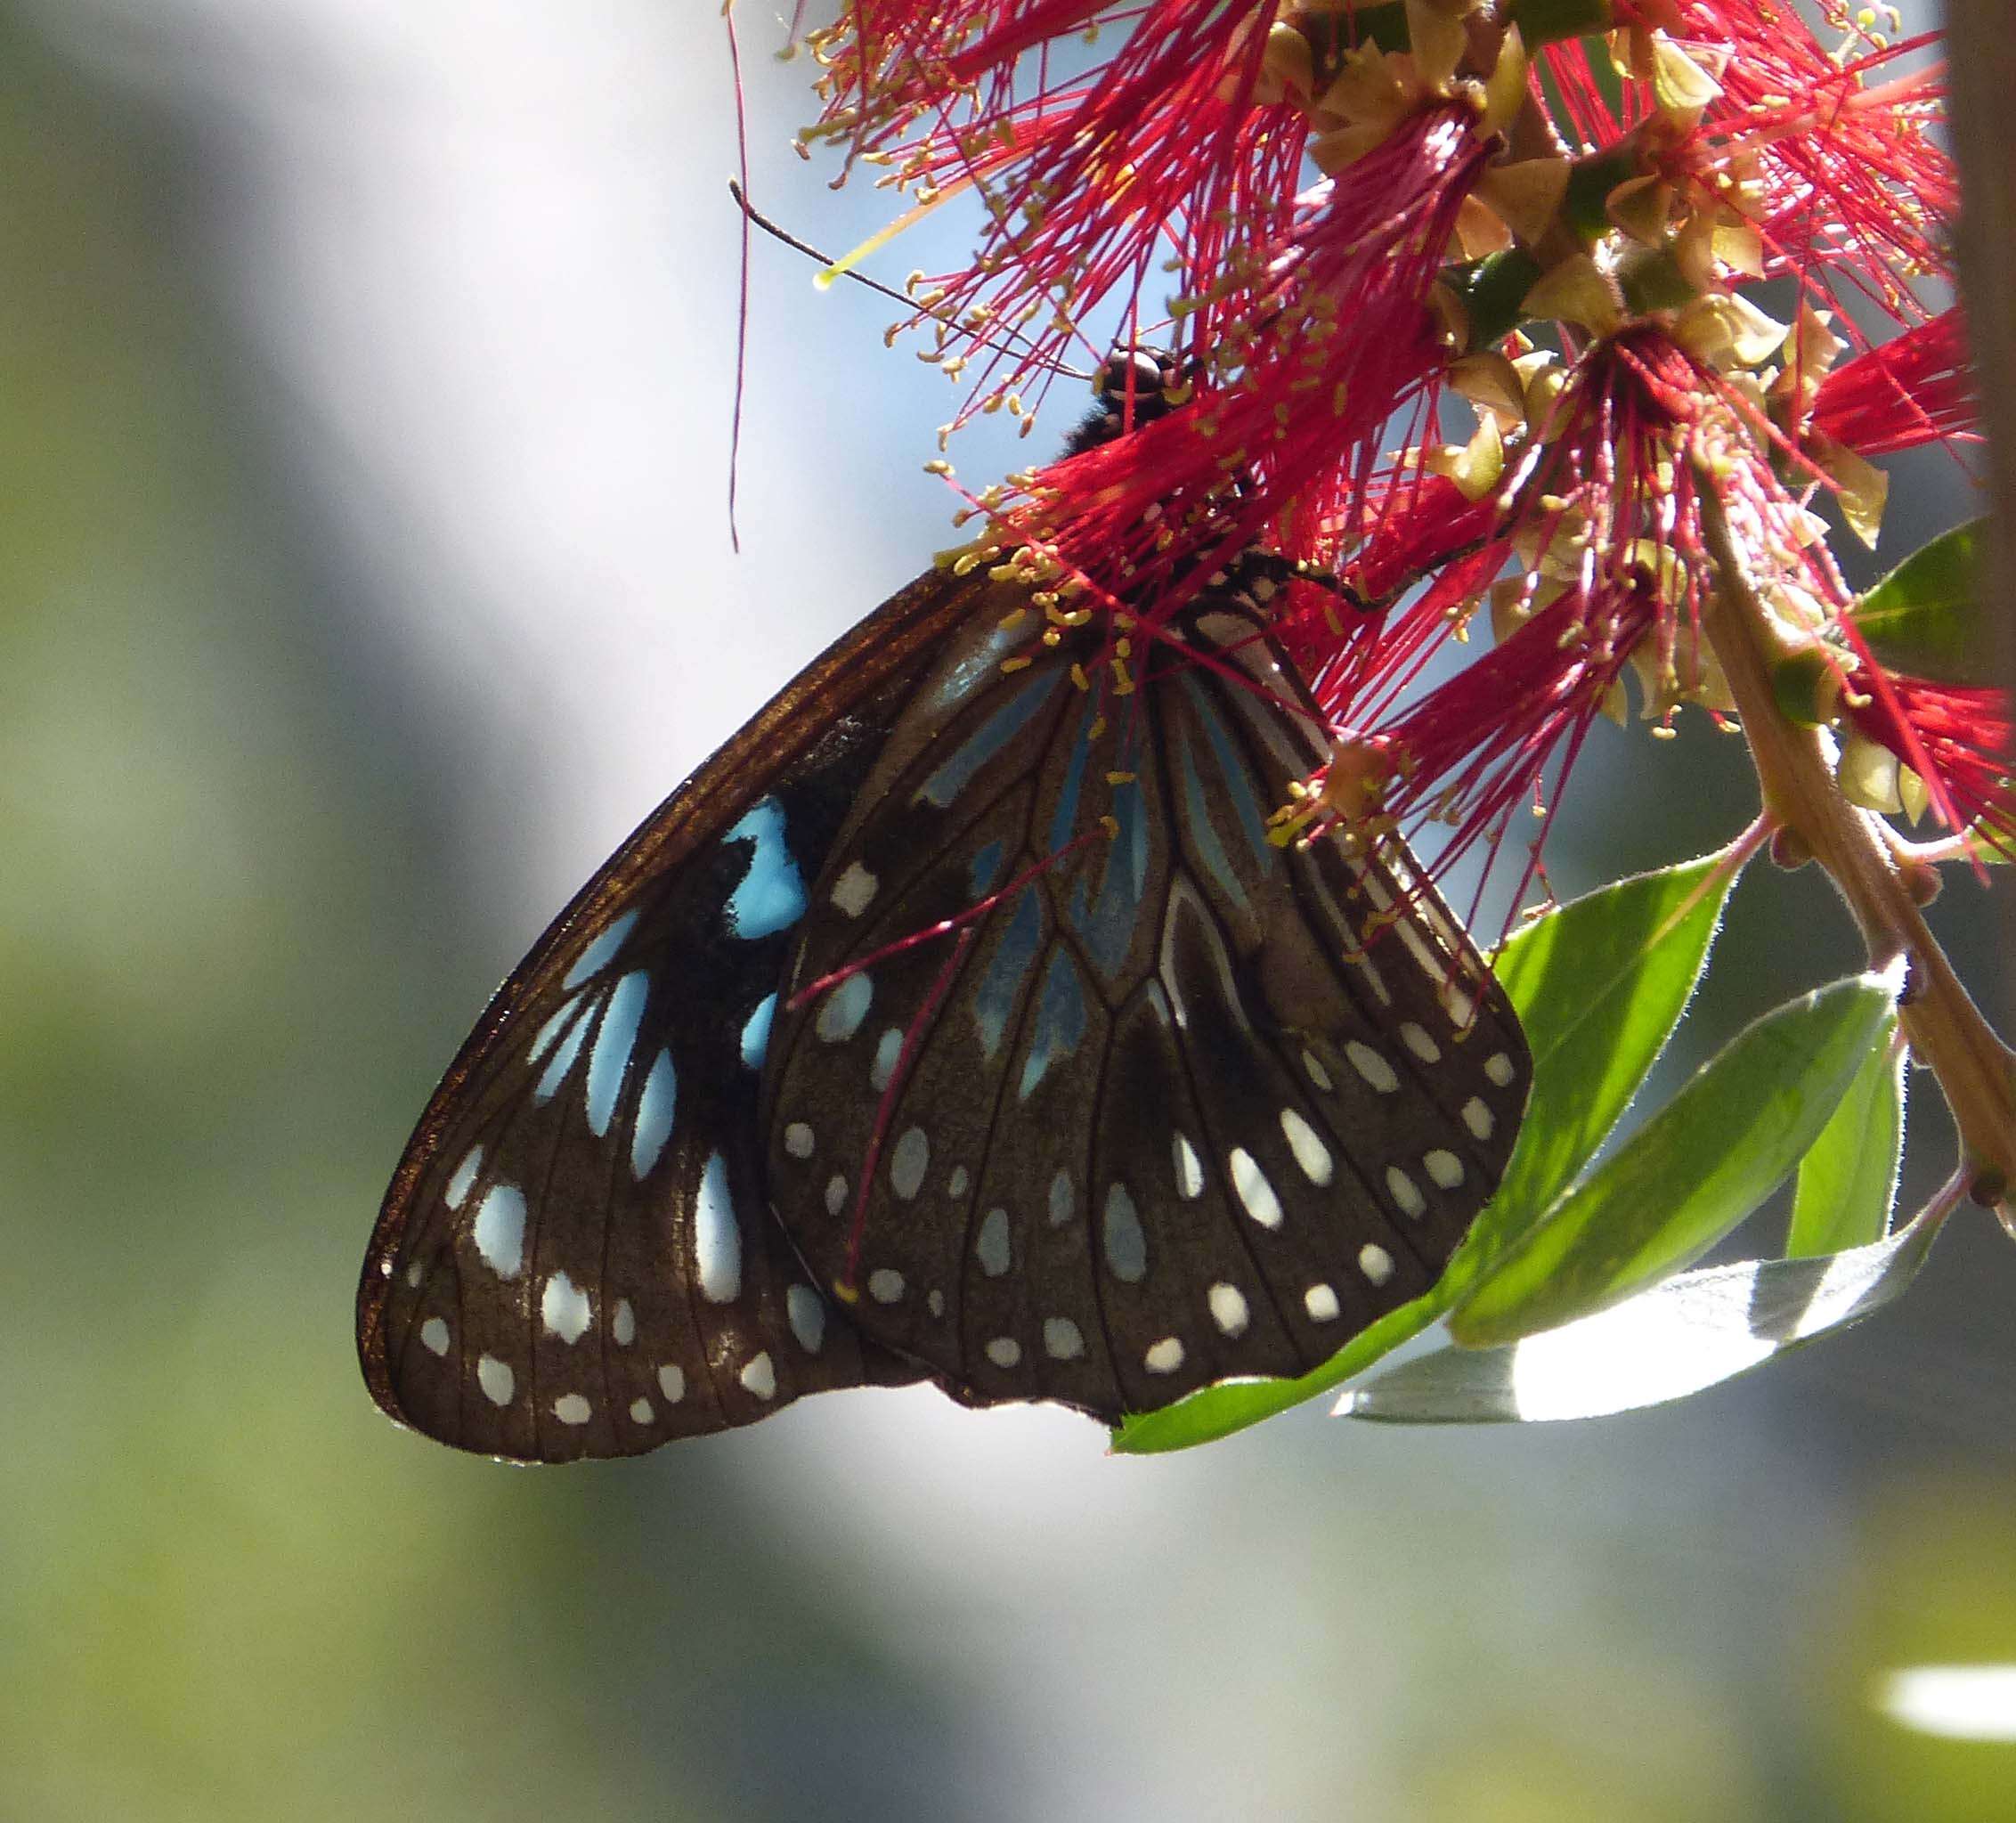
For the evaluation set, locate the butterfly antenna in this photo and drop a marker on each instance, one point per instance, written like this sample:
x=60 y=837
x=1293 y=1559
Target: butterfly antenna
x=752 y=212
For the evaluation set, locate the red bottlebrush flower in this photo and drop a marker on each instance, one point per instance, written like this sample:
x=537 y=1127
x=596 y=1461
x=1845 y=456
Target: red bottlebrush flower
x=1825 y=159
x=1283 y=428
x=1602 y=515
x=1168 y=156
x=1954 y=738
x=1737 y=146
x=1916 y=388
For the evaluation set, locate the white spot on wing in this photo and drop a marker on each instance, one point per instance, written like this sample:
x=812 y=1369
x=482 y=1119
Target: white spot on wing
x=1310 y=1151
x=807 y=1312
x=1435 y=967
x=1317 y=1073
x=885 y=1285
x=888 y=1050
x=836 y=1194
x=622 y=1325
x=908 y=1163
x=671 y=1382
x=760 y=1377
x=1062 y=1341
x=1443 y=1167
x=640 y=1412
x=1253 y=1190
x=991 y=1245
x=563 y=1308
x=798 y=1140
x=1165 y=1356
x=1228 y=1309
x=1005 y=1351
x=1405 y=1192
x=717 y=1235
x=1125 y=1245
x=499 y=1230
x=1190 y=1169
x=1376 y=1262
x=1498 y=1067
x=571 y=1408
x=842 y=1012
x=1379 y=1074
x=434 y=1336
x=854 y=890
x=495 y=1377
x=1062 y=1199
x=1477 y=1117
x=1419 y=1043
x=1321 y=1302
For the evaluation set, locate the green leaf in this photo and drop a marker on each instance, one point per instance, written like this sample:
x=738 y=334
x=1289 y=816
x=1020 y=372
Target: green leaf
x=1687 y=1334
x=1848 y=1182
x=1691 y=1173
x=1212 y=1412
x=1599 y=985
x=1549 y=21
x=1925 y=618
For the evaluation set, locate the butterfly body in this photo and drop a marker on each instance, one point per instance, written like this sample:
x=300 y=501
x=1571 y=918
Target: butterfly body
x=958 y=1020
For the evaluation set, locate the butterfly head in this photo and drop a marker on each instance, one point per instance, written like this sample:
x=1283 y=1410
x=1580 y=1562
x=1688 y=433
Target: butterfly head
x=1136 y=385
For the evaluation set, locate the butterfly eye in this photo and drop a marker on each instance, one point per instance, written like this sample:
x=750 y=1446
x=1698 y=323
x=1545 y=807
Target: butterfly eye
x=1136 y=371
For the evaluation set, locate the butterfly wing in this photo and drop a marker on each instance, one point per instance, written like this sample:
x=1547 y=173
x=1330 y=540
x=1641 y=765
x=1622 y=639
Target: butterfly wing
x=574 y=1258
x=1169 y=1103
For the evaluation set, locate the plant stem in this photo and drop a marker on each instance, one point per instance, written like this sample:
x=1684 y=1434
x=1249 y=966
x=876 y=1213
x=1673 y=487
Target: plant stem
x=1981 y=77
x=1976 y=1071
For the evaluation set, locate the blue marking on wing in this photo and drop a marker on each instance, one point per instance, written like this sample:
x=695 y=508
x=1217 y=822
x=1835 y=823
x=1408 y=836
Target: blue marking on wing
x=986 y=868
x=597 y=954
x=1237 y=783
x=654 y=1109
x=1005 y=975
x=756 y=1034
x=1108 y=926
x=988 y=739
x=1063 y=824
x=543 y=1041
x=1204 y=832
x=563 y=1060
x=610 y=1058
x=771 y=897
x=1060 y=1020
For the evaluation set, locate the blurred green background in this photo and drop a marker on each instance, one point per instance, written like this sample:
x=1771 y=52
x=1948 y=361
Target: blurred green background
x=365 y=371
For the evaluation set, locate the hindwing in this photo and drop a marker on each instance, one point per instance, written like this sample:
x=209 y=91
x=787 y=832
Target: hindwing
x=1163 y=1102
x=576 y=1257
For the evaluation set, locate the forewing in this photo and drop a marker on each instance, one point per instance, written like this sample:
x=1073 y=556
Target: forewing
x=1165 y=1102
x=575 y=1257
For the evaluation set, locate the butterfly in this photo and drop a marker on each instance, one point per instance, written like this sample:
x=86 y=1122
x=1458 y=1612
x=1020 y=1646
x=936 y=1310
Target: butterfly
x=957 y=1020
